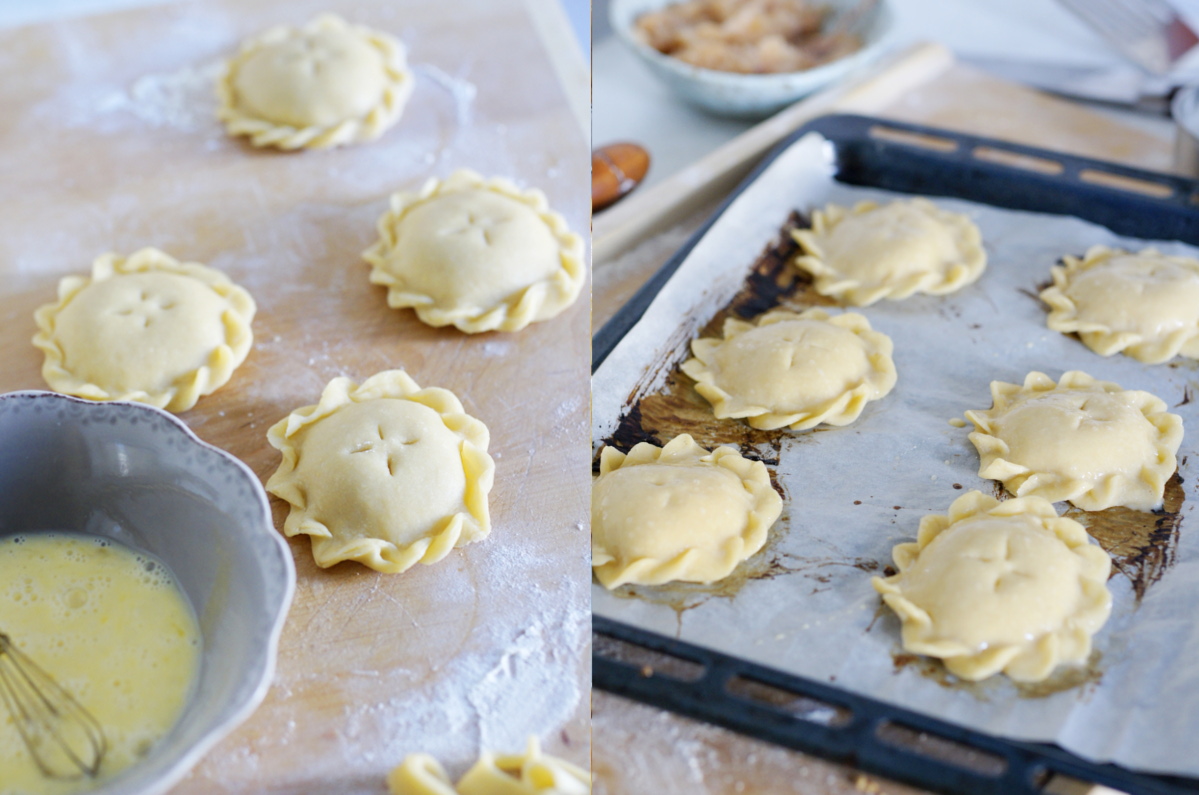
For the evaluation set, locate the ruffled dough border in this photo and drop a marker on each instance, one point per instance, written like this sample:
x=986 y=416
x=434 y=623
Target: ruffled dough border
x=1064 y=316
x=841 y=410
x=261 y=132
x=184 y=393
x=539 y=301
x=474 y=524
x=830 y=282
x=1034 y=660
x=514 y=774
x=1095 y=494
x=612 y=571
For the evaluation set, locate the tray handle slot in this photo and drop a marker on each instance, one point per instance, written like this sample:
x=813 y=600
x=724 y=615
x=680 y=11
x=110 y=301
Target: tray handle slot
x=941 y=749
x=648 y=662
x=797 y=705
x=909 y=138
x=1005 y=157
x=1157 y=190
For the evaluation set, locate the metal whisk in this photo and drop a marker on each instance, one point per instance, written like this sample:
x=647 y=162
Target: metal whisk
x=63 y=738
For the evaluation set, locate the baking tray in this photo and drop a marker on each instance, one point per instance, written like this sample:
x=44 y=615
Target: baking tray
x=814 y=716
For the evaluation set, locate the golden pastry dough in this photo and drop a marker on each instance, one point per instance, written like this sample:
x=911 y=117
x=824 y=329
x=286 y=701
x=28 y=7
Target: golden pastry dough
x=1145 y=305
x=891 y=251
x=999 y=586
x=529 y=773
x=325 y=84
x=677 y=513
x=147 y=328
x=480 y=254
x=1082 y=440
x=793 y=370
x=386 y=473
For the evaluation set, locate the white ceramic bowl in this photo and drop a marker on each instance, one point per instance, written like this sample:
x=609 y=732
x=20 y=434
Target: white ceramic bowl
x=140 y=476
x=742 y=95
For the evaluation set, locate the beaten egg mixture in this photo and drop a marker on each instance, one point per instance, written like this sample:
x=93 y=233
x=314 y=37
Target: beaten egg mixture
x=112 y=627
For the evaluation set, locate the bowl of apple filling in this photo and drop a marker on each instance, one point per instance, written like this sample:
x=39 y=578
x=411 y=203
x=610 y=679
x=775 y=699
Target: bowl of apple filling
x=751 y=58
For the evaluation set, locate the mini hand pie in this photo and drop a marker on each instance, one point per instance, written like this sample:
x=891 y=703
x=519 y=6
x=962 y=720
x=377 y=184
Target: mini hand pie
x=480 y=254
x=1144 y=305
x=147 y=328
x=529 y=773
x=1000 y=586
x=325 y=84
x=1082 y=440
x=891 y=251
x=677 y=513
x=793 y=370
x=386 y=473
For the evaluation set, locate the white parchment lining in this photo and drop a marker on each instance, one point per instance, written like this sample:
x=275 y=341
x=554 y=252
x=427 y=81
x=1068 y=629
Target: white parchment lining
x=900 y=460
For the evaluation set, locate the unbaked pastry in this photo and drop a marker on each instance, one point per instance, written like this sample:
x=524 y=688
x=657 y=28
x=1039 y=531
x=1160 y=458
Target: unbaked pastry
x=1145 y=305
x=1082 y=440
x=891 y=251
x=325 y=84
x=147 y=328
x=793 y=370
x=529 y=773
x=386 y=473
x=677 y=513
x=480 y=254
x=999 y=586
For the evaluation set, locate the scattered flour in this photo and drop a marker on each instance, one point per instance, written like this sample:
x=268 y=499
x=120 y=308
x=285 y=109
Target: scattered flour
x=184 y=99
x=462 y=91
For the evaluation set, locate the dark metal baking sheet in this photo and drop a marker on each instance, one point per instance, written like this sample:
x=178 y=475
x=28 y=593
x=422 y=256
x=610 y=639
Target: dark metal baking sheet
x=913 y=159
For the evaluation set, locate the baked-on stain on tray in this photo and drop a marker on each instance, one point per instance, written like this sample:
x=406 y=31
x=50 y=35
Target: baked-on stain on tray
x=1066 y=677
x=678 y=408
x=1142 y=543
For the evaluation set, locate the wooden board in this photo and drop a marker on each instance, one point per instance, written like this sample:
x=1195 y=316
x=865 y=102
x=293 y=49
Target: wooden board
x=108 y=143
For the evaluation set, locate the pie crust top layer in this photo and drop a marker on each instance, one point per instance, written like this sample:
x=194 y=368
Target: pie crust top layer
x=1082 y=440
x=480 y=254
x=872 y=251
x=529 y=773
x=677 y=513
x=321 y=85
x=147 y=328
x=1000 y=586
x=386 y=473
x=793 y=370
x=1145 y=305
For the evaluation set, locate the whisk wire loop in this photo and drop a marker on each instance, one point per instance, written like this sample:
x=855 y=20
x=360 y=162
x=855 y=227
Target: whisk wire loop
x=64 y=739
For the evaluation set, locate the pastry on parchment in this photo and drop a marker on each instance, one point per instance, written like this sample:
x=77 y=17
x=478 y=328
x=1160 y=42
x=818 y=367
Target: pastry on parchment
x=321 y=85
x=793 y=370
x=677 y=512
x=1144 y=305
x=1080 y=439
x=530 y=773
x=385 y=473
x=479 y=254
x=872 y=251
x=147 y=328
x=1000 y=586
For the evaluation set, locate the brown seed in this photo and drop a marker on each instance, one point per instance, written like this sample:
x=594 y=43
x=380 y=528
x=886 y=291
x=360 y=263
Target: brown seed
x=615 y=170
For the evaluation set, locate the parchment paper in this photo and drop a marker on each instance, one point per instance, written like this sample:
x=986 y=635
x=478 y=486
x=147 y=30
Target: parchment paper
x=817 y=615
